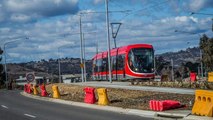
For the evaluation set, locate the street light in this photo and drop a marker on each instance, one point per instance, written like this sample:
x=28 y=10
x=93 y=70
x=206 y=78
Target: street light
x=180 y=31
x=201 y=63
x=192 y=13
x=59 y=64
x=5 y=62
x=115 y=28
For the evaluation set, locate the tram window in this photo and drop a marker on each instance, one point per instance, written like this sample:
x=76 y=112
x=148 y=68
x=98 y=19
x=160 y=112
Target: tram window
x=95 y=69
x=120 y=62
x=105 y=64
x=99 y=65
x=141 y=60
x=113 y=58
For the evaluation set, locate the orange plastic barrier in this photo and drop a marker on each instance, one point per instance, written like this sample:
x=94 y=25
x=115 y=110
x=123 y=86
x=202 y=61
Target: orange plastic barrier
x=56 y=93
x=35 y=91
x=102 y=96
x=203 y=105
x=210 y=76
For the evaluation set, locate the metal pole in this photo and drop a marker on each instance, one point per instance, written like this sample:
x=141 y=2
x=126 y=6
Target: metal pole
x=82 y=70
x=5 y=62
x=212 y=24
x=115 y=43
x=108 y=41
x=198 y=71
x=96 y=44
x=115 y=33
x=59 y=67
x=5 y=67
x=154 y=64
x=201 y=64
x=172 y=69
x=85 y=76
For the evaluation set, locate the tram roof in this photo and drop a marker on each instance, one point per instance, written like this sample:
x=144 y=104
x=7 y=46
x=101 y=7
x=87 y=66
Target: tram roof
x=121 y=50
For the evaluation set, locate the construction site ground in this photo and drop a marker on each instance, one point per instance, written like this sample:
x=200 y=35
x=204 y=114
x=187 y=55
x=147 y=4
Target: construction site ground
x=125 y=98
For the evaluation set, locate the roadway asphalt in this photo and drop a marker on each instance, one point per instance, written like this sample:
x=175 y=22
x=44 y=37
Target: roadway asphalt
x=14 y=106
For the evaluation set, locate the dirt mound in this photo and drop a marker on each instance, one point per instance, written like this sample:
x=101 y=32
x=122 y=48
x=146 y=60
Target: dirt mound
x=134 y=99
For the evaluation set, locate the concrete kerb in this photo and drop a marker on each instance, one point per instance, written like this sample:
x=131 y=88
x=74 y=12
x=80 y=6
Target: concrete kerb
x=172 y=115
x=79 y=104
x=193 y=117
x=143 y=113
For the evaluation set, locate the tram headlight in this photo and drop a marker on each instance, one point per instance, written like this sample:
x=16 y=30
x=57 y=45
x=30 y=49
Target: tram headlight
x=136 y=69
x=153 y=69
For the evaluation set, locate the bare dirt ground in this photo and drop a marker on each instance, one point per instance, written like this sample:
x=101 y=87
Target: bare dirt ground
x=198 y=84
x=134 y=99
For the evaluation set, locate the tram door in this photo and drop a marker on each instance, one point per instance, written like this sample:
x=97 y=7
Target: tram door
x=120 y=71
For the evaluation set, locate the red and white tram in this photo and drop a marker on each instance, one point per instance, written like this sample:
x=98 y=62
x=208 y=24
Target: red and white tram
x=127 y=62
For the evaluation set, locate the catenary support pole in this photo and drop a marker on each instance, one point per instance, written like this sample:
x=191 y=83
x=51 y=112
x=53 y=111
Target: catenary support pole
x=201 y=64
x=172 y=64
x=59 y=67
x=81 y=51
x=108 y=41
x=85 y=76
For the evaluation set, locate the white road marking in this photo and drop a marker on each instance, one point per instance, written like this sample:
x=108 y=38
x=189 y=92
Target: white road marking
x=32 y=116
x=4 y=106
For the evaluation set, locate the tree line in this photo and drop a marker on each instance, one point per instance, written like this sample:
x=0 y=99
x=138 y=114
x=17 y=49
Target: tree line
x=206 y=46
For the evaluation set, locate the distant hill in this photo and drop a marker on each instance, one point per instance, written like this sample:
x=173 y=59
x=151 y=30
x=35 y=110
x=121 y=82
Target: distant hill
x=72 y=65
x=182 y=56
x=49 y=67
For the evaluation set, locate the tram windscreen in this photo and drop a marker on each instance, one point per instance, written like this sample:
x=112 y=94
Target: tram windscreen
x=141 y=60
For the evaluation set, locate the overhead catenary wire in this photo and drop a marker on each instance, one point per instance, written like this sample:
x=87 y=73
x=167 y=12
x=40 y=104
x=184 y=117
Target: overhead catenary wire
x=134 y=12
x=102 y=12
x=118 y=5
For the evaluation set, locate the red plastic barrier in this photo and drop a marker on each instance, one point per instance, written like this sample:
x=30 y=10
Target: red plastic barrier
x=173 y=103
x=25 y=88
x=28 y=88
x=193 y=76
x=163 y=105
x=43 y=91
x=89 y=95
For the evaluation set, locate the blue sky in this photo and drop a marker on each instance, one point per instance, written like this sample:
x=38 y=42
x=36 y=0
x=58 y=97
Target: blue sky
x=51 y=24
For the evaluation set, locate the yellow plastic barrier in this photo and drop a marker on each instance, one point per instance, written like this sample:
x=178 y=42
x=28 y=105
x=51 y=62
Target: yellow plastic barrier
x=210 y=76
x=35 y=91
x=55 y=90
x=102 y=96
x=203 y=105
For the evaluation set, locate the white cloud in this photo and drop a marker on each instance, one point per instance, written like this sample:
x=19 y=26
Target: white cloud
x=19 y=18
x=25 y=10
x=98 y=1
x=46 y=35
x=196 y=5
x=14 y=55
x=4 y=30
